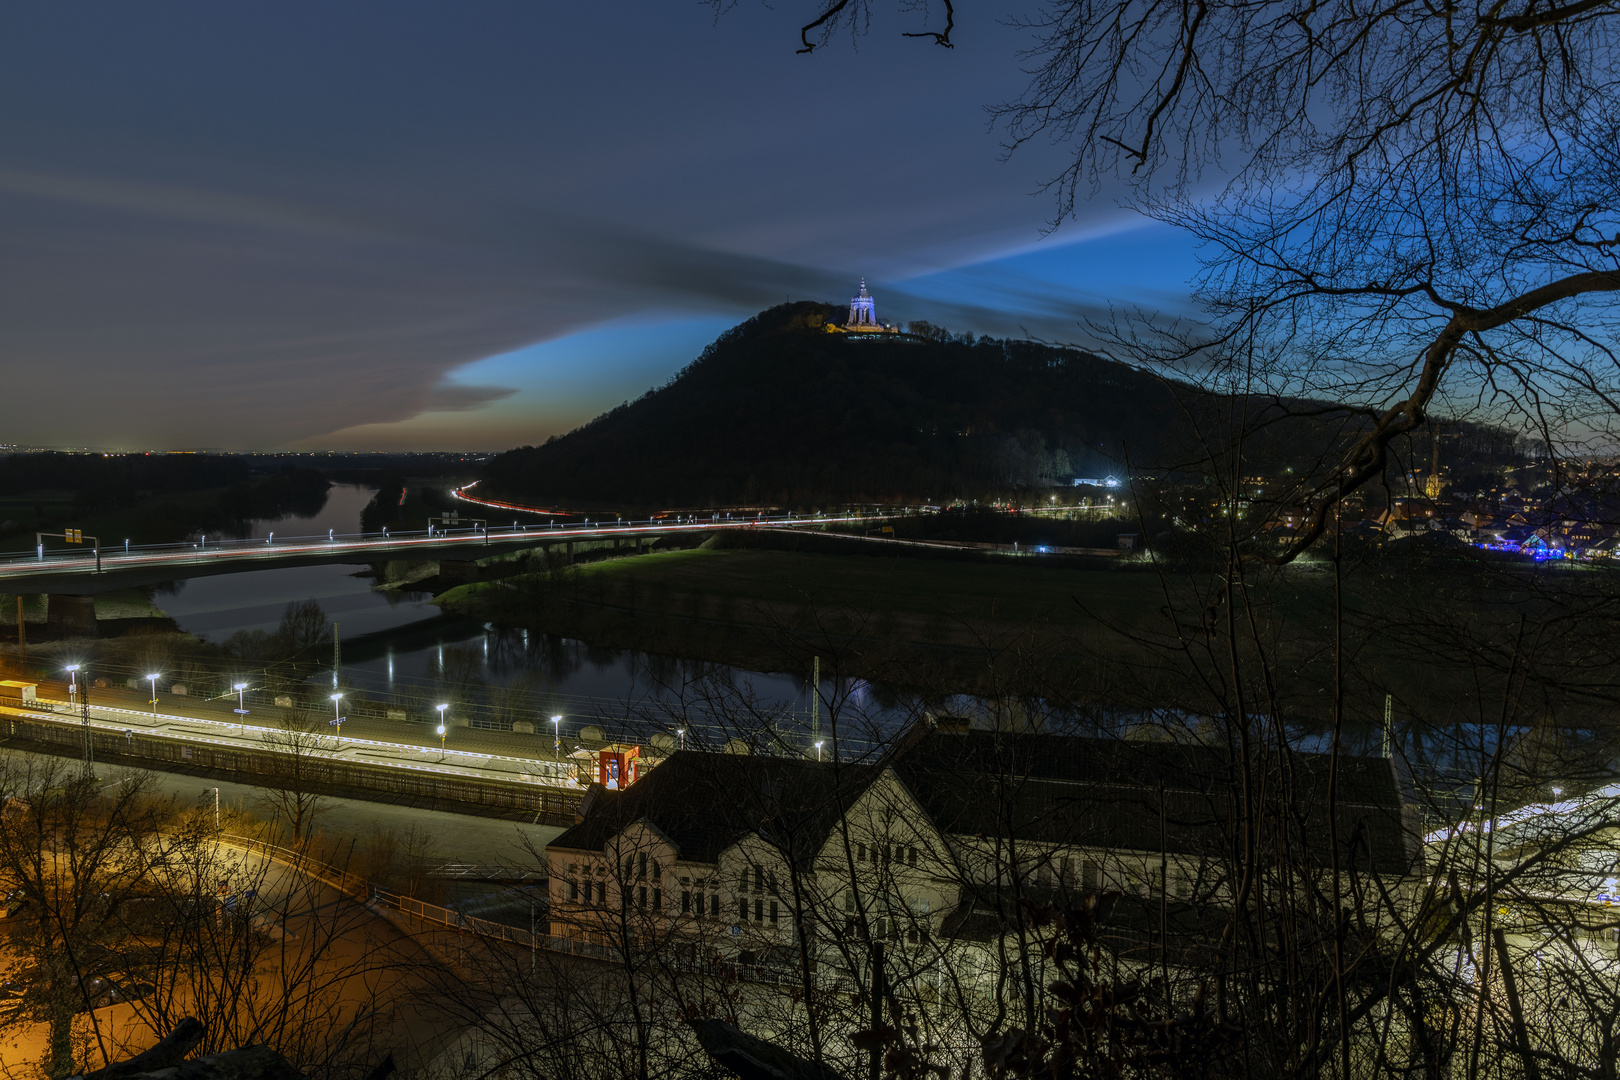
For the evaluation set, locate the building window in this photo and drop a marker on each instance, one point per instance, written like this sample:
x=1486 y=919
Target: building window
x=573 y=890
x=773 y=912
x=860 y=852
x=911 y=856
x=641 y=899
x=759 y=878
x=742 y=909
x=658 y=898
x=686 y=901
x=641 y=868
x=714 y=905
x=601 y=893
x=849 y=900
x=759 y=910
x=1090 y=877
x=742 y=882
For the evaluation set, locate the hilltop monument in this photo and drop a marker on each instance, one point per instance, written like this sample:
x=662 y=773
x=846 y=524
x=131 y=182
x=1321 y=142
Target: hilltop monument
x=862 y=311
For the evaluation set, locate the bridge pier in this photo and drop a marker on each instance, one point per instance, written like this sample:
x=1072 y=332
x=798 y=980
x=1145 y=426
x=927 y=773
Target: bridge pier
x=67 y=615
x=459 y=571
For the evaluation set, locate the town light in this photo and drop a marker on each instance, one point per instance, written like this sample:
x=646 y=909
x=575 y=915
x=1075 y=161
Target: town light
x=337 y=719
x=818 y=751
x=73 y=681
x=681 y=734
x=241 y=700
x=153 y=680
x=556 y=730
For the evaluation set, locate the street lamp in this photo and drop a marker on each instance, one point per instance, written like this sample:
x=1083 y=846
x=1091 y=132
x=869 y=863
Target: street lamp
x=73 y=683
x=337 y=720
x=680 y=733
x=241 y=700
x=818 y=751
x=441 y=709
x=556 y=729
x=153 y=680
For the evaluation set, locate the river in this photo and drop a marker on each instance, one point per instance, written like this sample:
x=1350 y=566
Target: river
x=398 y=643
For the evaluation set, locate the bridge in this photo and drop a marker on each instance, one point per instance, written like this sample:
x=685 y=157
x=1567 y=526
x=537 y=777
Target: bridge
x=86 y=573
x=74 y=575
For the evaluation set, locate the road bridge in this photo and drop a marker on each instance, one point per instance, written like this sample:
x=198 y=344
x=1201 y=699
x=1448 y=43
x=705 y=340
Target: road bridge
x=77 y=572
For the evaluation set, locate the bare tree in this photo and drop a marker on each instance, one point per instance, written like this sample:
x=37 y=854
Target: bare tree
x=293 y=797
x=75 y=855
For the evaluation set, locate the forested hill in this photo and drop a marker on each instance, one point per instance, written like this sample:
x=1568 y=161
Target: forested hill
x=779 y=411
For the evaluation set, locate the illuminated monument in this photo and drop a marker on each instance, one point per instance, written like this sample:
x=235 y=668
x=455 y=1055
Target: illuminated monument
x=863 y=320
x=862 y=311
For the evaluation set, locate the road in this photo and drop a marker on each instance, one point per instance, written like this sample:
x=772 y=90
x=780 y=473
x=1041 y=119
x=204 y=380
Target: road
x=401 y=748
x=460 y=838
x=115 y=567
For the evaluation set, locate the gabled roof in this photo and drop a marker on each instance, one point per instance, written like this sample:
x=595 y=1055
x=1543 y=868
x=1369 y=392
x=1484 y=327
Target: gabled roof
x=1106 y=793
x=704 y=803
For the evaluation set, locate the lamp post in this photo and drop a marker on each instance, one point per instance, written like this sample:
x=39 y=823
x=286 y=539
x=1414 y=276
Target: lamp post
x=241 y=700
x=556 y=728
x=337 y=720
x=153 y=680
x=73 y=684
x=680 y=733
x=818 y=751
x=441 y=709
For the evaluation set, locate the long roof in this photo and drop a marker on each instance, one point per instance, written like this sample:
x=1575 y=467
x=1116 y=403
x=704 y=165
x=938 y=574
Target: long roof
x=705 y=802
x=1039 y=788
x=1134 y=795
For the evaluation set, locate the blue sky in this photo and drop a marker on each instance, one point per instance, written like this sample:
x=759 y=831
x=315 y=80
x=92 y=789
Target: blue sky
x=415 y=225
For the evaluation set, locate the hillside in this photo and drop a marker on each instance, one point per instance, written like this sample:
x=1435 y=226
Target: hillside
x=777 y=410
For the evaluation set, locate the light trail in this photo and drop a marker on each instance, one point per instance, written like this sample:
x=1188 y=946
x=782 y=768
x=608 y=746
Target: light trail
x=253 y=737
x=249 y=552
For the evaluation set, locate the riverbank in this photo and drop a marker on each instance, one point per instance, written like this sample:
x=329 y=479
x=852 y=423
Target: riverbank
x=915 y=624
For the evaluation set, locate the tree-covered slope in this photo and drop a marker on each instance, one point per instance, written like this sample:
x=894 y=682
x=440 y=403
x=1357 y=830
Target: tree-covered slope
x=777 y=410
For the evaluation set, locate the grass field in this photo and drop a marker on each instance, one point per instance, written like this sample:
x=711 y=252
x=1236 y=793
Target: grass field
x=898 y=619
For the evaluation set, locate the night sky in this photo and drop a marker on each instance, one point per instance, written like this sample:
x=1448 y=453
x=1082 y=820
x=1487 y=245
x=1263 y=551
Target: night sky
x=468 y=226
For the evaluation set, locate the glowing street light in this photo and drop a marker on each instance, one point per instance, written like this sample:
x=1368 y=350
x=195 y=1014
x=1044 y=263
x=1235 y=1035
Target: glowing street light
x=241 y=699
x=73 y=683
x=337 y=720
x=556 y=730
x=818 y=751
x=153 y=680
x=441 y=709
x=680 y=733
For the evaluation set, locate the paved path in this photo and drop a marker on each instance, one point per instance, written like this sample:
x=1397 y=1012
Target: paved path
x=458 y=838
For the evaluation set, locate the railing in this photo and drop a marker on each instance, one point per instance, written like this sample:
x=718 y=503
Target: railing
x=364 y=890
x=270 y=767
x=104 y=560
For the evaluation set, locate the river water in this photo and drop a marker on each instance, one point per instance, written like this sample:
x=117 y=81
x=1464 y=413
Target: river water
x=398 y=643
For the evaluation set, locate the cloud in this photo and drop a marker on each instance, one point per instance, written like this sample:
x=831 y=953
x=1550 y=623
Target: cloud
x=455 y=397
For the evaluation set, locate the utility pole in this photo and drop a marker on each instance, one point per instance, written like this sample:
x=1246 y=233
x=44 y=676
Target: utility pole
x=337 y=655
x=1389 y=713
x=22 y=630
x=216 y=811
x=89 y=744
x=815 y=699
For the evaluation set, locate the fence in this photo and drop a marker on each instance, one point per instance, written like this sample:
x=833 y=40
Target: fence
x=362 y=889
x=303 y=771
